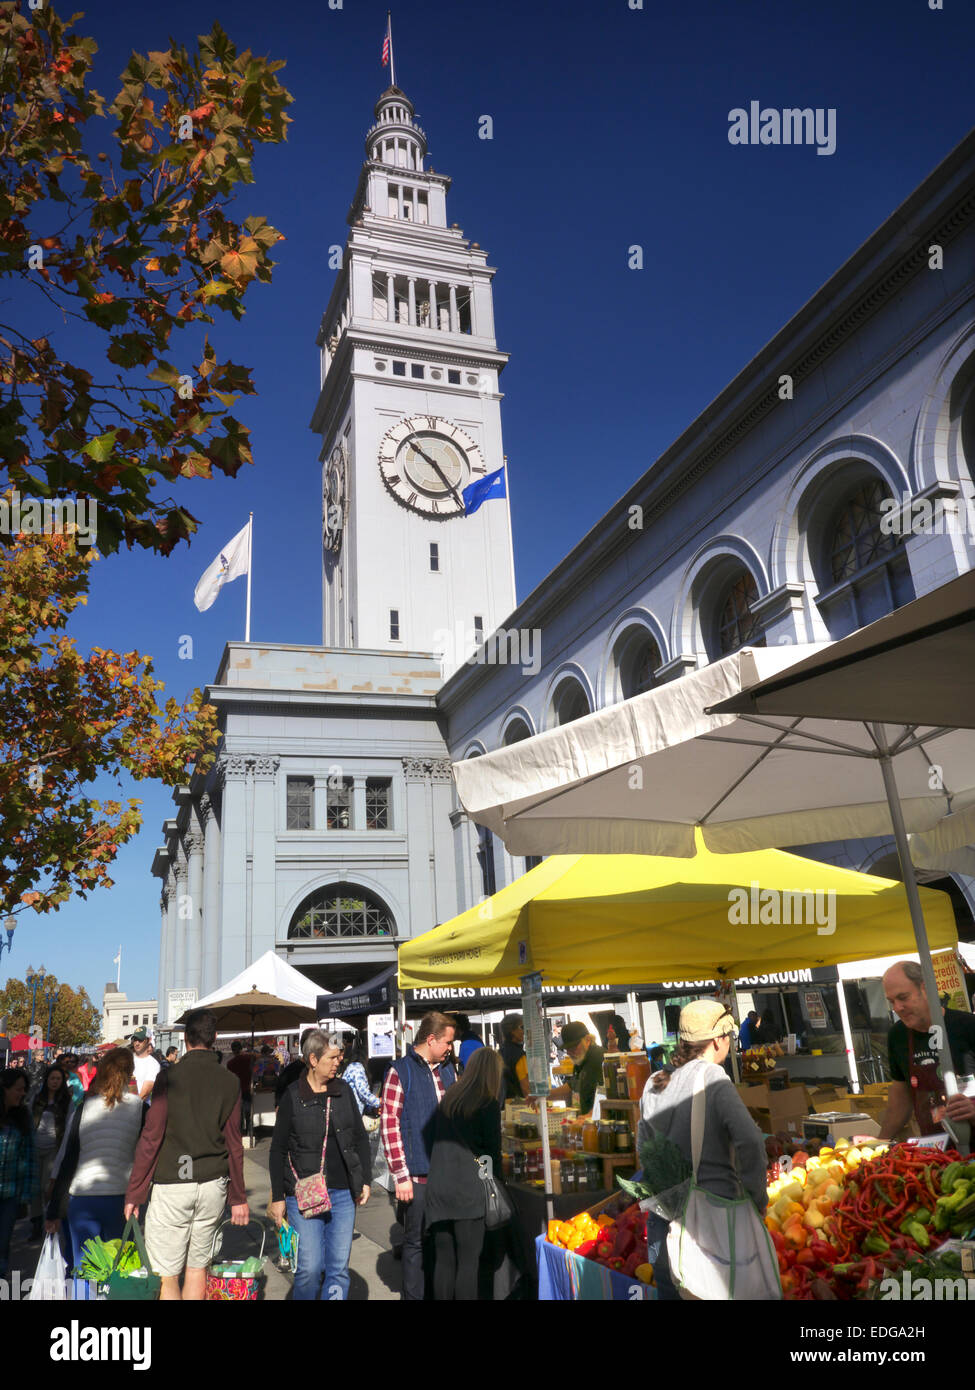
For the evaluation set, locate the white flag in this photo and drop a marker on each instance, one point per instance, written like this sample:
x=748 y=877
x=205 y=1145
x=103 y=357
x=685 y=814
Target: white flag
x=231 y=563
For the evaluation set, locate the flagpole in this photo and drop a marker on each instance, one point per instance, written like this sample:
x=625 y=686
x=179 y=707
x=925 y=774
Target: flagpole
x=250 y=552
x=392 y=64
x=118 y=973
x=511 y=543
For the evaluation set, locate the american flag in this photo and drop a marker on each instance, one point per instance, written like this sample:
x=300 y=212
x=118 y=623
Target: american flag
x=386 y=48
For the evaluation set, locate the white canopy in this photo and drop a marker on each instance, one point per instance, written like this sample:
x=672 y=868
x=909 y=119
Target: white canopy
x=272 y=975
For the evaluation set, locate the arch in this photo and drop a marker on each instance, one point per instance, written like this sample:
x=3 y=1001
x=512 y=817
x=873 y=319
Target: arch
x=363 y=883
x=569 y=672
x=816 y=489
x=705 y=575
x=935 y=453
x=475 y=749
x=517 y=715
x=633 y=620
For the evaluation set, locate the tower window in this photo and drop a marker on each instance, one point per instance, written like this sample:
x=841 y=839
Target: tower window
x=377 y=803
x=399 y=369
x=300 y=803
x=338 y=806
x=394 y=624
x=453 y=376
x=416 y=369
x=435 y=556
x=478 y=627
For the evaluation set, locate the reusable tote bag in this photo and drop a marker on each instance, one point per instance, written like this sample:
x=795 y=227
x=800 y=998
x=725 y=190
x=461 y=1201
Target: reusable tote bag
x=718 y=1247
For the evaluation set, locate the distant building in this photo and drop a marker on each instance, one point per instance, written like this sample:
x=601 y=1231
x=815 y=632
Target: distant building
x=121 y=1015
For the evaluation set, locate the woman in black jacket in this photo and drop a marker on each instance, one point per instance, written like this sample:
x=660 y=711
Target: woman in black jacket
x=299 y=1142
x=468 y=1129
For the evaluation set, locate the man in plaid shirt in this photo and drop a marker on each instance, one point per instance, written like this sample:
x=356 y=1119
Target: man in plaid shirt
x=415 y=1086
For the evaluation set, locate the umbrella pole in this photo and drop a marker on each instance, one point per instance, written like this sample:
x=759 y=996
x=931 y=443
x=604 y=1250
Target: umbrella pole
x=848 y=1037
x=959 y=1132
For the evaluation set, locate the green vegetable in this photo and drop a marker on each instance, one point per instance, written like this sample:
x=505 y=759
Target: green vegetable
x=948 y=1176
x=922 y=1216
x=875 y=1245
x=959 y=1192
x=918 y=1233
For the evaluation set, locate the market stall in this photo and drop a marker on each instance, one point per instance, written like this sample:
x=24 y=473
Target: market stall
x=623 y=916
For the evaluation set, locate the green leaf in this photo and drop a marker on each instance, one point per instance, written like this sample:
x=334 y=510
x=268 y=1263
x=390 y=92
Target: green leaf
x=101 y=448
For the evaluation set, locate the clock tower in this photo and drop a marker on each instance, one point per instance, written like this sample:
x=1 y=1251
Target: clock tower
x=409 y=415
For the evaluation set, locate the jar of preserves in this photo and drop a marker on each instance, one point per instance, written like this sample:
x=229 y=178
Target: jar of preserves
x=507 y=1165
x=607 y=1137
x=594 y=1174
x=590 y=1137
x=610 y=1080
x=621 y=1137
x=637 y=1074
x=568 y=1177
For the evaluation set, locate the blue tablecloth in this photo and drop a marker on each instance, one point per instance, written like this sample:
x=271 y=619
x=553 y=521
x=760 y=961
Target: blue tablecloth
x=563 y=1276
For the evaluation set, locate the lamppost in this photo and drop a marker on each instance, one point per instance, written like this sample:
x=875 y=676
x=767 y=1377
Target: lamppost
x=34 y=978
x=51 y=995
x=10 y=924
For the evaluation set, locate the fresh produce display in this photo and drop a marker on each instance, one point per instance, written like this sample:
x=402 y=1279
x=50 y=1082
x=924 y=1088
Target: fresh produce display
x=98 y=1258
x=618 y=1243
x=758 y=1060
x=847 y=1216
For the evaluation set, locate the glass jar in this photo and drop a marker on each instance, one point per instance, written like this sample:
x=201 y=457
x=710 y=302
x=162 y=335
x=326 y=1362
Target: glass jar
x=568 y=1177
x=507 y=1166
x=590 y=1137
x=594 y=1174
x=637 y=1074
x=607 y=1137
x=622 y=1137
x=610 y=1077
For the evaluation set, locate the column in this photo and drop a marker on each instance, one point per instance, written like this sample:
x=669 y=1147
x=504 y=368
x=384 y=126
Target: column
x=172 y=927
x=263 y=906
x=163 y=941
x=445 y=881
x=233 y=904
x=210 y=977
x=419 y=844
x=359 y=803
x=434 y=316
x=179 y=955
x=390 y=299
x=454 y=315
x=412 y=302
x=399 y=191
x=194 y=923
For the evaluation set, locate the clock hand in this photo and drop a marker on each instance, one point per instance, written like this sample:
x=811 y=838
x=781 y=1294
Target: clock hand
x=440 y=474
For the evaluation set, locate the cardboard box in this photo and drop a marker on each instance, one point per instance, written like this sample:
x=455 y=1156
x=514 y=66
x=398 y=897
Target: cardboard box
x=777 y=1111
x=873 y=1105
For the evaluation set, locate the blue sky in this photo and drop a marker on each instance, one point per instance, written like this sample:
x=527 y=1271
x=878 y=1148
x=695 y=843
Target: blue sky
x=610 y=129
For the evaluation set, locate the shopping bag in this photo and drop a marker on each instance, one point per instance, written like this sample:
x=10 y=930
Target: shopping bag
x=135 y=1285
x=718 y=1247
x=234 y=1281
x=50 y=1276
x=381 y=1176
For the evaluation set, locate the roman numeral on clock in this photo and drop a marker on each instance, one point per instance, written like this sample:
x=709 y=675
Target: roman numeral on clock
x=435 y=506
x=412 y=499
x=394 y=480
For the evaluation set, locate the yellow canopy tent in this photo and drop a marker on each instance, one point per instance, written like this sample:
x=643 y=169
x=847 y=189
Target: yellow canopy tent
x=620 y=918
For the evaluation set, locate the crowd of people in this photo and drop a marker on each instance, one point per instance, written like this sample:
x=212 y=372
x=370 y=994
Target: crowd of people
x=85 y=1147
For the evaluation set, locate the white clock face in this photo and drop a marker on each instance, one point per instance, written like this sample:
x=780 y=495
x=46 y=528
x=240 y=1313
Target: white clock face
x=427 y=461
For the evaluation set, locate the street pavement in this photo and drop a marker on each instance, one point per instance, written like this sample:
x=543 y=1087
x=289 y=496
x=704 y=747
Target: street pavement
x=374 y=1271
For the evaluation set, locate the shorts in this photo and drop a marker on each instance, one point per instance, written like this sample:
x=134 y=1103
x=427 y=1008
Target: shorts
x=181 y=1222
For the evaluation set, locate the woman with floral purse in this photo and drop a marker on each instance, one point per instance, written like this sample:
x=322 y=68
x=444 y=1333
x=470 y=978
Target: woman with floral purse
x=320 y=1169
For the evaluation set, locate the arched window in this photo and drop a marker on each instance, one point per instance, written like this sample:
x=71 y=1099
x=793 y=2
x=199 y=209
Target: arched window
x=857 y=539
x=516 y=732
x=636 y=657
x=569 y=702
x=864 y=572
x=737 y=624
x=341 y=910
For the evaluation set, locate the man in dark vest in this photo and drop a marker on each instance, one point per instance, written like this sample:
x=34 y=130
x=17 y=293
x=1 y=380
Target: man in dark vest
x=414 y=1088
x=191 y=1152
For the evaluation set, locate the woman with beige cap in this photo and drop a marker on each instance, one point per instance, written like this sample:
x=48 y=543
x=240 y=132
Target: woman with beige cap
x=733 y=1151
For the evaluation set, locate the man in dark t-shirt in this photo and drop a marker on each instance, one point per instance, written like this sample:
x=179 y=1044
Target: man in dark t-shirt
x=587 y=1072
x=916 y=1083
x=241 y=1065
